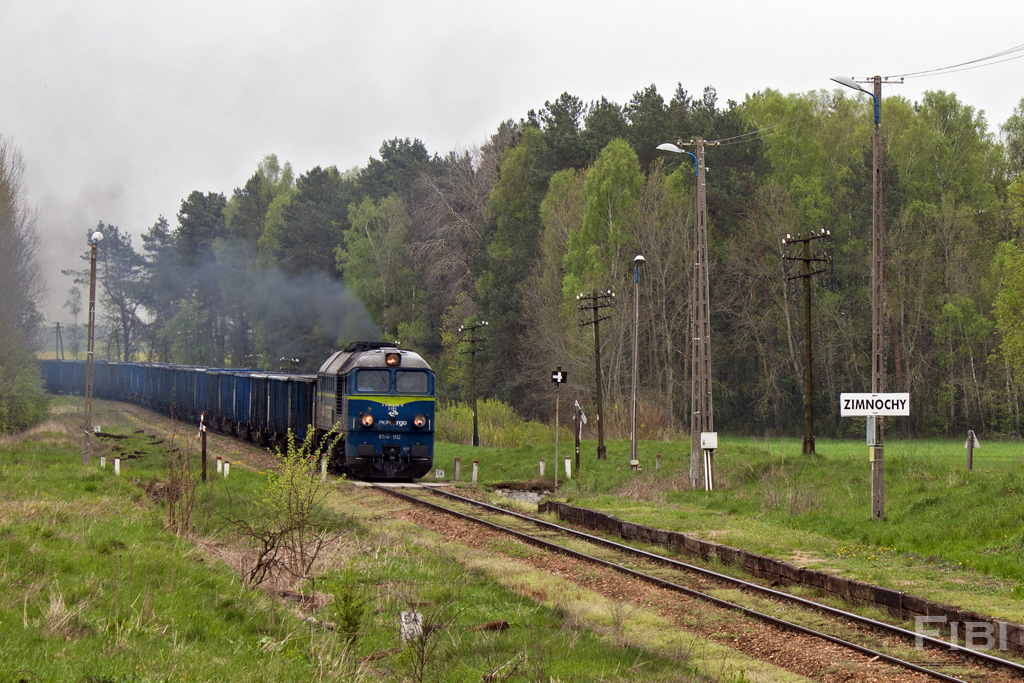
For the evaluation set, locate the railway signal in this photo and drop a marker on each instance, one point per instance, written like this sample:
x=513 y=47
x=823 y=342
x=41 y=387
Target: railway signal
x=558 y=378
x=579 y=419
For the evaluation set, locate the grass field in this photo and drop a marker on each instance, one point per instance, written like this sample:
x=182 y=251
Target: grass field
x=953 y=535
x=95 y=586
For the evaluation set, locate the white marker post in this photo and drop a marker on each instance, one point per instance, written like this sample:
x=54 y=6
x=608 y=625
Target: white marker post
x=971 y=443
x=117 y=466
x=227 y=468
x=411 y=627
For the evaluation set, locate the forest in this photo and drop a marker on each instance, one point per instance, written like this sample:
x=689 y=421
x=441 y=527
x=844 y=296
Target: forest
x=288 y=267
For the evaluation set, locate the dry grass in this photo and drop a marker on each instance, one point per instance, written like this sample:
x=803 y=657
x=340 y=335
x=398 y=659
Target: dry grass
x=60 y=621
x=654 y=423
x=60 y=425
x=650 y=488
x=56 y=511
x=780 y=492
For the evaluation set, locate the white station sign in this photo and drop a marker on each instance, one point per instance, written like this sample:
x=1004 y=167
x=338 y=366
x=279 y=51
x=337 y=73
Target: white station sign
x=866 y=405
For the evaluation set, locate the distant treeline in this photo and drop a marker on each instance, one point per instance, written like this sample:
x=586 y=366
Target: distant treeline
x=414 y=244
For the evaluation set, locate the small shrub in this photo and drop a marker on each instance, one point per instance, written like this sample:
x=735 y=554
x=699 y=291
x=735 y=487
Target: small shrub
x=290 y=525
x=348 y=605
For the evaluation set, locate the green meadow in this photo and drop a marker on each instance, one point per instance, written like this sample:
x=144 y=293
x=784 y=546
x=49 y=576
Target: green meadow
x=96 y=585
x=949 y=534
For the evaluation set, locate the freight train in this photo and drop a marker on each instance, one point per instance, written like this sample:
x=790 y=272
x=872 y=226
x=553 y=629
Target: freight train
x=378 y=400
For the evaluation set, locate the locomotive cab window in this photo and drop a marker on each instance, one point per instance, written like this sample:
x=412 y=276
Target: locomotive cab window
x=373 y=381
x=411 y=382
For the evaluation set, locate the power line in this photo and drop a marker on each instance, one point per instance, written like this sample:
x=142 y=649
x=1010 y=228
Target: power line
x=963 y=66
x=759 y=131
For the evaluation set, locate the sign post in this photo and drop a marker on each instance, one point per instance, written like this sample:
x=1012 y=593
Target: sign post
x=874 y=406
x=558 y=378
x=970 y=445
x=581 y=419
x=202 y=440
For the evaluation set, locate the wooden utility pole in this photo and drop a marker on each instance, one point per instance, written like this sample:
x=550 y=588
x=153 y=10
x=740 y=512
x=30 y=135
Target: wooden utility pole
x=472 y=364
x=89 y=350
x=595 y=302
x=808 y=438
x=58 y=350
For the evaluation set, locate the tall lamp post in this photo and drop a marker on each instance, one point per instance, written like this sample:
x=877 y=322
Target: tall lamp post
x=89 y=349
x=637 y=262
x=877 y=296
x=702 y=410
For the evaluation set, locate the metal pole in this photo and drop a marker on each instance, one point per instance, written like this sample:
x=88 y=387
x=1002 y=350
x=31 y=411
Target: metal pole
x=636 y=348
x=202 y=439
x=877 y=309
x=702 y=417
x=556 y=421
x=472 y=357
x=577 y=428
x=89 y=352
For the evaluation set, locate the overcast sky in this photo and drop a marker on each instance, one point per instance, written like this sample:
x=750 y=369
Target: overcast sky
x=122 y=108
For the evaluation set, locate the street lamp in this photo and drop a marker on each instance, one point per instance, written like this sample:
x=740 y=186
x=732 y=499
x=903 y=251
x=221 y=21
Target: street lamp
x=669 y=147
x=877 y=297
x=94 y=239
x=637 y=262
x=702 y=407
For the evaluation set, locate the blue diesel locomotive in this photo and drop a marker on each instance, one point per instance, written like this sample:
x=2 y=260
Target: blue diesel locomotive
x=373 y=400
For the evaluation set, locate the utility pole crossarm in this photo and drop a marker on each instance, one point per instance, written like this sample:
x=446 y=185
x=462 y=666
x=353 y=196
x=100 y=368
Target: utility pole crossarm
x=807 y=446
x=473 y=341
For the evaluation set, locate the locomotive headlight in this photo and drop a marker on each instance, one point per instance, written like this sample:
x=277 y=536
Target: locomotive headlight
x=393 y=359
x=367 y=420
x=419 y=421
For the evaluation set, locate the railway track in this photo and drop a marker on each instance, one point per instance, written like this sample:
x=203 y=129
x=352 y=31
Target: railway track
x=875 y=638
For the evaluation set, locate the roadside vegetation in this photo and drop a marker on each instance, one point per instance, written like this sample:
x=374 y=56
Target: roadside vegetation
x=950 y=534
x=22 y=402
x=148 y=576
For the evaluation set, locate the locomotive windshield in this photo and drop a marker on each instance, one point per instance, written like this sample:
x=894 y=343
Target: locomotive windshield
x=411 y=382
x=373 y=381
